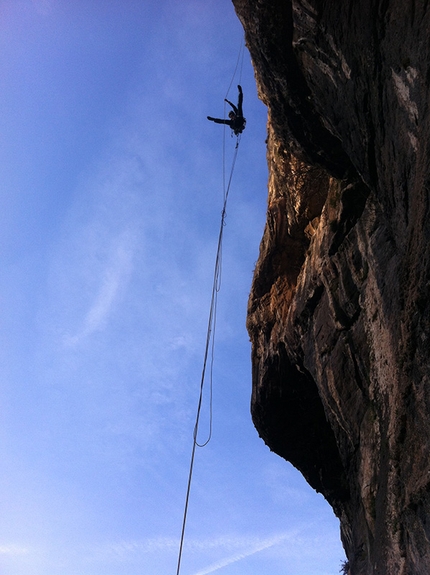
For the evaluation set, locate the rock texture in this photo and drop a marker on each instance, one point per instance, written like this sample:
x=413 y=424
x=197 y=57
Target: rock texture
x=339 y=313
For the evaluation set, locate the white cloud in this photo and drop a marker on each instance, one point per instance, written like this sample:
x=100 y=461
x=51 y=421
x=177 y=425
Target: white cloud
x=13 y=550
x=252 y=550
x=114 y=277
x=240 y=547
x=124 y=549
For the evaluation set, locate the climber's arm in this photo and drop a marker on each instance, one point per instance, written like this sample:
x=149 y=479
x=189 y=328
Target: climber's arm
x=219 y=120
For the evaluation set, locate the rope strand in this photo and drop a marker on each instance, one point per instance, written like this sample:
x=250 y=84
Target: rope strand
x=239 y=62
x=210 y=335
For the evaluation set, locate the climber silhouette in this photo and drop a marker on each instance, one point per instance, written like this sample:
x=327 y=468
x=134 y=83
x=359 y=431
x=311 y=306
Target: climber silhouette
x=236 y=122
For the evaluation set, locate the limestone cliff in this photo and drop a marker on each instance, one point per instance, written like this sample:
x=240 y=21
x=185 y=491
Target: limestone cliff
x=339 y=313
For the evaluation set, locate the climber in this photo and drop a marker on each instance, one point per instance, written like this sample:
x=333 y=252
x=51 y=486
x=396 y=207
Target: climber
x=236 y=122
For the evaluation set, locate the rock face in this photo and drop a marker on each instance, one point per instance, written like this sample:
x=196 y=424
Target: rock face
x=339 y=313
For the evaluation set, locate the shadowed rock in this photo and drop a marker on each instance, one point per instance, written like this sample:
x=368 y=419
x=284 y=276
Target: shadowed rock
x=339 y=312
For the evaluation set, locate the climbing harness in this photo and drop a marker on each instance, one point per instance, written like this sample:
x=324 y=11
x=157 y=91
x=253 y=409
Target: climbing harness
x=210 y=334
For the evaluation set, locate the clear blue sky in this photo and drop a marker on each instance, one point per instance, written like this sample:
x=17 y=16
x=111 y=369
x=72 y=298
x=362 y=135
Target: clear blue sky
x=110 y=203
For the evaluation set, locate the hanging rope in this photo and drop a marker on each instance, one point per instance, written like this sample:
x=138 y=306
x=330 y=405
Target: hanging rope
x=210 y=337
x=210 y=334
x=239 y=65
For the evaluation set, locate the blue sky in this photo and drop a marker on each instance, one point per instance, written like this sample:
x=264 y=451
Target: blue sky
x=110 y=203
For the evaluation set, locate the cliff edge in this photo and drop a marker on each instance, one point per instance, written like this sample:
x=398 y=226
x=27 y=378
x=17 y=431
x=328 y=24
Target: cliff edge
x=339 y=312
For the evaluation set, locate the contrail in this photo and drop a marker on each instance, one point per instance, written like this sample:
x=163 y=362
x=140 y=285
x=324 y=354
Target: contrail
x=239 y=556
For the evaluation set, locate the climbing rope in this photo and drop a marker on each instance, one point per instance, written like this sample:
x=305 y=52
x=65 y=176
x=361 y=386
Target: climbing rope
x=210 y=334
x=239 y=65
x=210 y=339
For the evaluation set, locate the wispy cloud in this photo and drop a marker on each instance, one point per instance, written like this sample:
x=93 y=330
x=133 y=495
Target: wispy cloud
x=157 y=544
x=240 y=547
x=256 y=548
x=13 y=550
x=128 y=549
x=115 y=275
